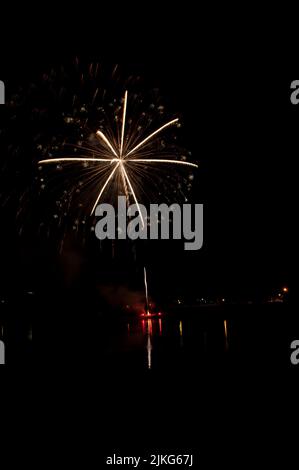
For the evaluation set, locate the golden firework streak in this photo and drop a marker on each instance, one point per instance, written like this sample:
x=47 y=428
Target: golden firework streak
x=77 y=159
x=151 y=136
x=104 y=138
x=120 y=159
x=123 y=125
x=103 y=188
x=133 y=193
x=158 y=160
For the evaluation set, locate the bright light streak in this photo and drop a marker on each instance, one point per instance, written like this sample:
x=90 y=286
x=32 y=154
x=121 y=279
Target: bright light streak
x=134 y=196
x=159 y=160
x=103 y=188
x=146 y=292
x=149 y=352
x=104 y=138
x=151 y=136
x=77 y=159
x=123 y=125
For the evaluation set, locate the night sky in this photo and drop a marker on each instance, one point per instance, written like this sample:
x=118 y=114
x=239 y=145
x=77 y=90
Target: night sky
x=239 y=124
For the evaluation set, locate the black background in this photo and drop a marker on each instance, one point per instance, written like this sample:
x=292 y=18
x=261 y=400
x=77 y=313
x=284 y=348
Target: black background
x=230 y=79
x=239 y=124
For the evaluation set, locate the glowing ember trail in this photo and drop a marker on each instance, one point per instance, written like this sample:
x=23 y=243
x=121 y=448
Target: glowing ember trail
x=225 y=334
x=103 y=188
x=146 y=292
x=123 y=125
x=133 y=193
x=149 y=347
x=104 y=138
x=151 y=136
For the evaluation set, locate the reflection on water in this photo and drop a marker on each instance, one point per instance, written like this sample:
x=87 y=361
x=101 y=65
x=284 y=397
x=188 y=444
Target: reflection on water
x=160 y=326
x=225 y=334
x=149 y=347
x=171 y=341
x=182 y=341
x=149 y=351
x=181 y=334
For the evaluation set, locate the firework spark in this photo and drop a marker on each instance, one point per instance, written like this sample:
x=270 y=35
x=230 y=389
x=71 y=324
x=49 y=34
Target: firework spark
x=121 y=154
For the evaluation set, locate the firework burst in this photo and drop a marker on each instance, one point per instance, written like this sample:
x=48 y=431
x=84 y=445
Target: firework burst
x=92 y=146
x=122 y=158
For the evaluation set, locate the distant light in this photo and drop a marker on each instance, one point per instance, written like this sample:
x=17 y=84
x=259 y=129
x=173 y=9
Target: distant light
x=222 y=300
x=285 y=289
